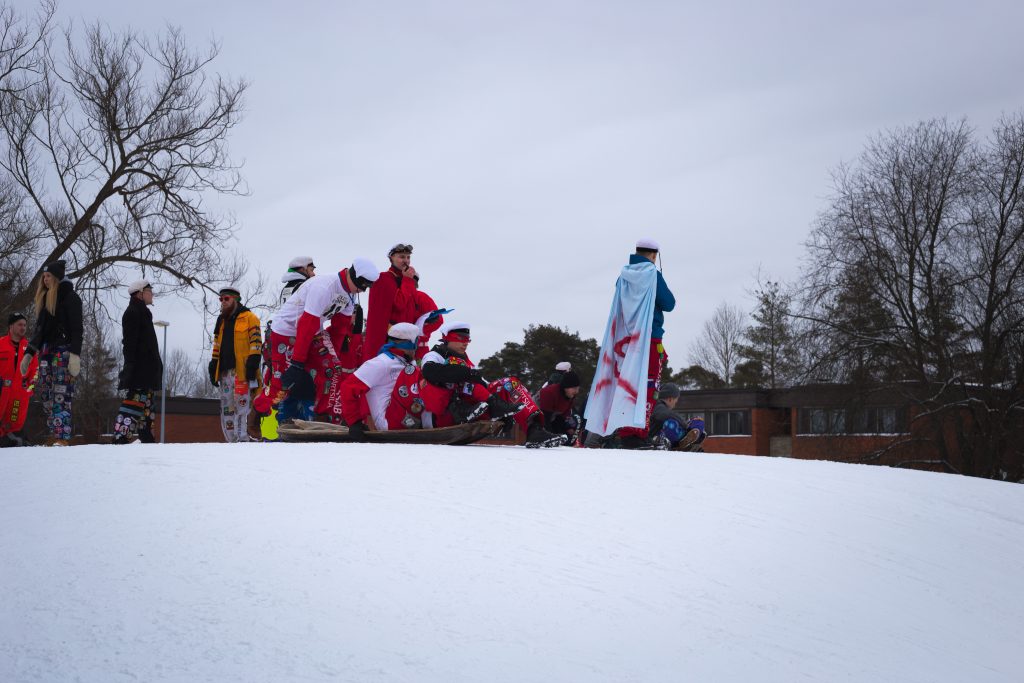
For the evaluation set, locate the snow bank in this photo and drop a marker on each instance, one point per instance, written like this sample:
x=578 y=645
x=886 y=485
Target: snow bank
x=281 y=562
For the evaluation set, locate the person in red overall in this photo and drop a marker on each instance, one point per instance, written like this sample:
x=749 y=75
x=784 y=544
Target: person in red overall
x=384 y=393
x=396 y=298
x=15 y=387
x=453 y=390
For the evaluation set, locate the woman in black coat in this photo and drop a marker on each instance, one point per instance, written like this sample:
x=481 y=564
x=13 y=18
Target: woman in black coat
x=58 y=341
x=143 y=369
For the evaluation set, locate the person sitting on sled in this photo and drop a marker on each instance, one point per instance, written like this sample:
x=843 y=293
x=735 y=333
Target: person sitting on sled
x=668 y=424
x=386 y=388
x=556 y=399
x=299 y=346
x=453 y=390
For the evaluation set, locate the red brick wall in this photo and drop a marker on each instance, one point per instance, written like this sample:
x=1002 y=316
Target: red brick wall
x=764 y=424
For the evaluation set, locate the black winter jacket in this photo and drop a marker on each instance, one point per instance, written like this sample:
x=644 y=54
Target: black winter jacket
x=143 y=368
x=64 y=328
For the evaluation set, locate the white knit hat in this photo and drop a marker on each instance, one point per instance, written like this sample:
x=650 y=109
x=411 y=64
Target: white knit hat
x=404 y=331
x=454 y=325
x=300 y=262
x=138 y=286
x=364 y=268
x=648 y=244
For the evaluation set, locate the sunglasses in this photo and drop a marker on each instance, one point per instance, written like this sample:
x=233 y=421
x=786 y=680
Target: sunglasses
x=227 y=298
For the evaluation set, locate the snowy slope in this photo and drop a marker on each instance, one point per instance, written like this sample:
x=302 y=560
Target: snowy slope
x=275 y=562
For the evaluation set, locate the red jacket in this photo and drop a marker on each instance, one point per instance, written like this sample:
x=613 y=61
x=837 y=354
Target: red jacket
x=395 y=298
x=392 y=300
x=15 y=389
x=553 y=401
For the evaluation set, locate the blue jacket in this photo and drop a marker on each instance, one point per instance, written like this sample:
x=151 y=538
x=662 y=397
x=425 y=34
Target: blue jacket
x=663 y=300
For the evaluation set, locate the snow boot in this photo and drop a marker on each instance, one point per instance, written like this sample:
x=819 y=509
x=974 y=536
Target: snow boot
x=538 y=437
x=466 y=411
x=500 y=408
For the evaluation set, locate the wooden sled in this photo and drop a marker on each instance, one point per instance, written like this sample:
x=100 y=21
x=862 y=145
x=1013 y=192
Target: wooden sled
x=456 y=435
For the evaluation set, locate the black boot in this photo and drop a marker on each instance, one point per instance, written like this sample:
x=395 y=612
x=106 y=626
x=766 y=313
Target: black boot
x=466 y=411
x=500 y=408
x=538 y=437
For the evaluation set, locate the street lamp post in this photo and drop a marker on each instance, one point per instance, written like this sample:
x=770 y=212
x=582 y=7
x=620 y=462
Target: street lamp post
x=163 y=379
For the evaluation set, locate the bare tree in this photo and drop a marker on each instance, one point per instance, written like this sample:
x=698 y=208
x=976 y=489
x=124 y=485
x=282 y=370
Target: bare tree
x=718 y=348
x=112 y=141
x=917 y=282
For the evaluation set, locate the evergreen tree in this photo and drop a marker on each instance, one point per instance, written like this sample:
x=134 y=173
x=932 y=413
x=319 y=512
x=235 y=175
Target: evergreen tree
x=770 y=350
x=534 y=360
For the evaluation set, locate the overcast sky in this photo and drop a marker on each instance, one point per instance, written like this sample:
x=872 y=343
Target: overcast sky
x=522 y=147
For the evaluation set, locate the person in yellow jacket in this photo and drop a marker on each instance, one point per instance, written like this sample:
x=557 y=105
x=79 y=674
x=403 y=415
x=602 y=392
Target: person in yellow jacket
x=235 y=366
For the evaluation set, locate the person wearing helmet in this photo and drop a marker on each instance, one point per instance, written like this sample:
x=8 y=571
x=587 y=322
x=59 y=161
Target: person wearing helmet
x=299 y=348
x=385 y=390
x=142 y=374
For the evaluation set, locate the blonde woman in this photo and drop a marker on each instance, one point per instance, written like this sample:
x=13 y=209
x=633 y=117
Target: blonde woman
x=58 y=341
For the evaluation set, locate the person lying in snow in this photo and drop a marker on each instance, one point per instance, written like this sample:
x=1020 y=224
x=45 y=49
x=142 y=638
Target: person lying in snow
x=453 y=390
x=386 y=388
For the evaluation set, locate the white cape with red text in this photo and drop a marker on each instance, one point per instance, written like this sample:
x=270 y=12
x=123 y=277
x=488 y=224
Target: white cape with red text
x=618 y=397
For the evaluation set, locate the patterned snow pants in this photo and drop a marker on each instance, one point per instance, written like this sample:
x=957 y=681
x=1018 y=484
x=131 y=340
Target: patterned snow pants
x=234 y=409
x=56 y=391
x=136 y=415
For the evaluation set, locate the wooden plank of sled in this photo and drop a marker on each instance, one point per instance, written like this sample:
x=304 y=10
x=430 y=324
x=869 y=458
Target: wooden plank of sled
x=454 y=435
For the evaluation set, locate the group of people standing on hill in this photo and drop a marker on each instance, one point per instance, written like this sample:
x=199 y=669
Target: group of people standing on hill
x=318 y=359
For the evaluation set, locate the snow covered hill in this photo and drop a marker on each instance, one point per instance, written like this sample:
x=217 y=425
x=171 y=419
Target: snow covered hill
x=276 y=562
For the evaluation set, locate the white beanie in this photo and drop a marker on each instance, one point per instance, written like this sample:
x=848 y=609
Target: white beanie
x=138 y=286
x=648 y=244
x=564 y=366
x=300 y=262
x=364 y=268
x=406 y=331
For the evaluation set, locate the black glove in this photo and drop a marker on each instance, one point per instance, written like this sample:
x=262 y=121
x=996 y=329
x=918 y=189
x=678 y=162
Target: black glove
x=252 y=367
x=357 y=431
x=357 y=320
x=124 y=377
x=213 y=373
x=297 y=382
x=476 y=377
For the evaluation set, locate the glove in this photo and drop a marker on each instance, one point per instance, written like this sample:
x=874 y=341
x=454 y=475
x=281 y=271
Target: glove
x=297 y=382
x=357 y=320
x=252 y=367
x=74 y=364
x=124 y=377
x=357 y=431
x=213 y=373
x=475 y=376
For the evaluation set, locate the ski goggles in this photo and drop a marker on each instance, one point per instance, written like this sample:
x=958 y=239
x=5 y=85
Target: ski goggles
x=457 y=336
x=400 y=249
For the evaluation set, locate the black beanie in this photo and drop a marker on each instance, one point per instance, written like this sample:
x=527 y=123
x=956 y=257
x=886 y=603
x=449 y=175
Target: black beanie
x=15 y=317
x=570 y=379
x=56 y=269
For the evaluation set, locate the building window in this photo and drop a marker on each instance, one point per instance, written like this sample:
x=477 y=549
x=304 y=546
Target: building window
x=883 y=420
x=729 y=422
